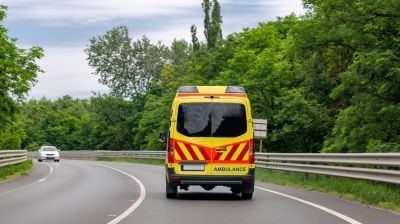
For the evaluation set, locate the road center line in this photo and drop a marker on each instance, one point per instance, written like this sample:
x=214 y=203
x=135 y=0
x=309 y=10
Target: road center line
x=325 y=209
x=136 y=204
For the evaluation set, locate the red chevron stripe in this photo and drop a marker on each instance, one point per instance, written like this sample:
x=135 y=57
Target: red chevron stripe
x=204 y=153
x=233 y=150
x=179 y=151
x=244 y=151
x=191 y=151
x=219 y=154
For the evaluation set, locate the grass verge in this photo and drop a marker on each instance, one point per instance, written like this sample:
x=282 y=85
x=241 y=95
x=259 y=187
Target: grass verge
x=9 y=171
x=367 y=192
x=132 y=160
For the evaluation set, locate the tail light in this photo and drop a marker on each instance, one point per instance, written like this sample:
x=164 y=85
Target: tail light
x=170 y=150
x=252 y=151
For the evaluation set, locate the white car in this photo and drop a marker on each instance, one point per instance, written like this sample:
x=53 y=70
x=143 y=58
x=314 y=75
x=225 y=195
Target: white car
x=49 y=153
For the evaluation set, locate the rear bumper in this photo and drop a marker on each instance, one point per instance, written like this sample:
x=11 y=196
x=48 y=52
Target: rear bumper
x=229 y=181
x=48 y=158
x=205 y=180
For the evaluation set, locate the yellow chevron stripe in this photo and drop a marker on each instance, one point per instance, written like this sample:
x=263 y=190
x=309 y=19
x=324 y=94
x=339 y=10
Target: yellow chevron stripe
x=246 y=156
x=198 y=153
x=185 y=151
x=225 y=154
x=238 y=151
x=176 y=155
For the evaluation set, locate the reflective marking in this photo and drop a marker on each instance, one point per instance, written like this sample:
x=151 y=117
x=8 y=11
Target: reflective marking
x=176 y=155
x=234 y=148
x=185 y=151
x=217 y=155
x=243 y=153
x=197 y=151
x=238 y=151
x=225 y=154
x=247 y=155
x=135 y=205
x=191 y=152
x=179 y=151
x=325 y=209
x=204 y=153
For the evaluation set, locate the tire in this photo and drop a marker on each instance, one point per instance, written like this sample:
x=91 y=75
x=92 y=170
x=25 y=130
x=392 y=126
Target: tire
x=171 y=190
x=247 y=190
x=171 y=195
x=247 y=195
x=39 y=160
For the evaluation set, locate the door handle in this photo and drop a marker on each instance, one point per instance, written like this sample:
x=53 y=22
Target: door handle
x=220 y=149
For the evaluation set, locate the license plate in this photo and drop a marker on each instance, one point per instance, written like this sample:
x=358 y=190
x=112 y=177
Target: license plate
x=192 y=167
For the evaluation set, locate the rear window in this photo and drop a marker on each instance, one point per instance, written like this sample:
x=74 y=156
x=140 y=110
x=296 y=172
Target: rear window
x=211 y=119
x=49 y=148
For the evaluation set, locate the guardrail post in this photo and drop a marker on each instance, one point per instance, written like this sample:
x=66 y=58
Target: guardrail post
x=306 y=177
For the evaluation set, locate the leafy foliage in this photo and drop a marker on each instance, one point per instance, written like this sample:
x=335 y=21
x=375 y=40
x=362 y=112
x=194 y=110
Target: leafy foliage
x=326 y=81
x=18 y=72
x=129 y=68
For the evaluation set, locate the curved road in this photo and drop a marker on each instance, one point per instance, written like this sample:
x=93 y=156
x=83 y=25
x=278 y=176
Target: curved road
x=104 y=192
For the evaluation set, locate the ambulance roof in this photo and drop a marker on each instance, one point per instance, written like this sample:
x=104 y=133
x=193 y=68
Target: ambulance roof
x=232 y=91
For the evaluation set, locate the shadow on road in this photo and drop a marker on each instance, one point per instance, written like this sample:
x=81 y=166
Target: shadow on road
x=214 y=196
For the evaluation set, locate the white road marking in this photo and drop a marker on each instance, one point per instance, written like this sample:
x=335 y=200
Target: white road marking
x=38 y=181
x=325 y=209
x=135 y=205
x=50 y=172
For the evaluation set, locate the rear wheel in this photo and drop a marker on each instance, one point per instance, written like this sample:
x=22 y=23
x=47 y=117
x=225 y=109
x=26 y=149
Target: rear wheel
x=247 y=195
x=247 y=189
x=171 y=190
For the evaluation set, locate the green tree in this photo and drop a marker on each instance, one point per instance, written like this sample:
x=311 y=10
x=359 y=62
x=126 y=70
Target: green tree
x=327 y=80
x=129 y=68
x=18 y=72
x=113 y=123
x=370 y=125
x=212 y=23
x=351 y=54
x=300 y=124
x=195 y=40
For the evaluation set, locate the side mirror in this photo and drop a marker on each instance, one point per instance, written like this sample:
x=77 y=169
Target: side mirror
x=163 y=136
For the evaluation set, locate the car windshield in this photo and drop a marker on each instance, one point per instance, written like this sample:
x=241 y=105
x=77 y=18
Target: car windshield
x=49 y=149
x=211 y=119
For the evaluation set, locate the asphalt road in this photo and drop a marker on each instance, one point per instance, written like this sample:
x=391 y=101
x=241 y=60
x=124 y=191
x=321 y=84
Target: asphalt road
x=104 y=192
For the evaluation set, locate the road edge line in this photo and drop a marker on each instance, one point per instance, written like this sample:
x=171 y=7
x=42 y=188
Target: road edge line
x=30 y=184
x=136 y=204
x=325 y=209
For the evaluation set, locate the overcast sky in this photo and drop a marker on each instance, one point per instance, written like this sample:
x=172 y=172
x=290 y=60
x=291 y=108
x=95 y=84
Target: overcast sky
x=63 y=28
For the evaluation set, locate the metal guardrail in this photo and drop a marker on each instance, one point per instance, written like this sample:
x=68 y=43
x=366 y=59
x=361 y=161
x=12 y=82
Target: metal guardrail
x=9 y=157
x=382 y=167
x=92 y=154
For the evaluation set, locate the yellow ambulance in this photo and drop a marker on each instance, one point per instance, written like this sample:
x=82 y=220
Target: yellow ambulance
x=210 y=140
